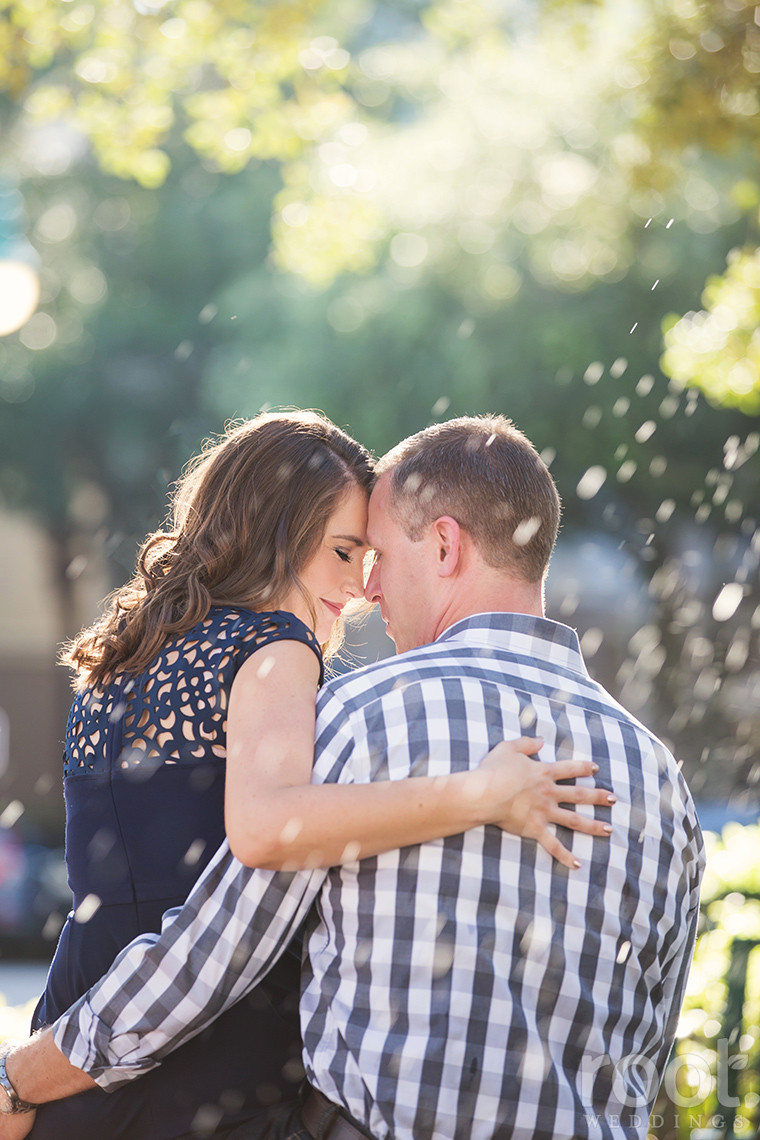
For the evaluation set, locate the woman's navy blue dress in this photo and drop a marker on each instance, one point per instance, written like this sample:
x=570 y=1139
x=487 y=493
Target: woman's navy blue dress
x=144 y=789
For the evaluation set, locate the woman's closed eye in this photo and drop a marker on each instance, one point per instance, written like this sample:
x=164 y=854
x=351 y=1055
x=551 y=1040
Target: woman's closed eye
x=344 y=555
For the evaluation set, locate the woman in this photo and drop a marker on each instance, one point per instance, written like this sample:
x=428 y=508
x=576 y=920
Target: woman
x=221 y=628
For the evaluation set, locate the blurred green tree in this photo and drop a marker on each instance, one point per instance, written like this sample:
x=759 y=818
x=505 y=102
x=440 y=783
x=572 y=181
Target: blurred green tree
x=101 y=392
x=699 y=94
x=451 y=128
x=718 y=349
x=232 y=72
x=713 y=1078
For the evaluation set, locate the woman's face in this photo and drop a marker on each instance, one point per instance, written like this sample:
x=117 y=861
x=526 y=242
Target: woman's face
x=335 y=574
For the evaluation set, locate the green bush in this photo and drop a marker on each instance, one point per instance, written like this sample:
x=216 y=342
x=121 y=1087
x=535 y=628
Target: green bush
x=712 y=1084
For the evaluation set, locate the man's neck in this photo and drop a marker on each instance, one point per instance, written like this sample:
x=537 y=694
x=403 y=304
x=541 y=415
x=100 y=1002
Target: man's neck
x=512 y=597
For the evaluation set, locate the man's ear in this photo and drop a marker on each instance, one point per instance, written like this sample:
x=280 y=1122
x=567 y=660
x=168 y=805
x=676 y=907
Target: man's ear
x=447 y=536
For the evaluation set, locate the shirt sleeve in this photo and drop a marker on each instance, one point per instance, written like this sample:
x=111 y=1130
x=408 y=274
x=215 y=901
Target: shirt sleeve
x=338 y=752
x=165 y=988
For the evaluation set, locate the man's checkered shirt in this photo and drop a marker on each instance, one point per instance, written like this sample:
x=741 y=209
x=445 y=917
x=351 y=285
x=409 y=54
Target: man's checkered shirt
x=470 y=987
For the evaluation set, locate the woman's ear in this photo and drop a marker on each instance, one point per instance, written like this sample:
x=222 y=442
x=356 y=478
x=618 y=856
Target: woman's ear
x=447 y=536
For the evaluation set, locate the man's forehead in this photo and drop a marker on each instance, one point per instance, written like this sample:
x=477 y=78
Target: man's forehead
x=380 y=518
x=380 y=489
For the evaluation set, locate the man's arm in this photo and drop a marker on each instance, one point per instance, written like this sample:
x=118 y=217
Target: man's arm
x=38 y=1064
x=164 y=989
x=39 y=1072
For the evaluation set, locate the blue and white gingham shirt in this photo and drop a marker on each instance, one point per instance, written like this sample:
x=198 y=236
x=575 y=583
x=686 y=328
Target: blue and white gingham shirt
x=469 y=987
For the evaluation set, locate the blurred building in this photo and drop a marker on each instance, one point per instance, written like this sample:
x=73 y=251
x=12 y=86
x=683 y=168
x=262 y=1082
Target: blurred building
x=34 y=692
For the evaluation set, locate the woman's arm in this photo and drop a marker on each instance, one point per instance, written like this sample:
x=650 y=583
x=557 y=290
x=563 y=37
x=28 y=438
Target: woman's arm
x=276 y=819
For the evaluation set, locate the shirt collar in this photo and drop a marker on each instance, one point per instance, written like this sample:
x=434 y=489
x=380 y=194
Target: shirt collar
x=522 y=634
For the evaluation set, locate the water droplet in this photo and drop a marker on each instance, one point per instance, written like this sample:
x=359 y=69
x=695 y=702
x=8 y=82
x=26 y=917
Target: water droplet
x=12 y=813
x=350 y=852
x=591 y=483
x=194 y=852
x=87 y=908
x=183 y=350
x=727 y=602
x=528 y=717
x=266 y=667
x=591 y=641
x=291 y=830
x=623 y=952
x=646 y=431
x=665 y=510
x=525 y=530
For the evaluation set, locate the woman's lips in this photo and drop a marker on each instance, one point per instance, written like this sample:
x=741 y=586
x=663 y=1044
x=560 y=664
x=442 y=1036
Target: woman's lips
x=331 y=606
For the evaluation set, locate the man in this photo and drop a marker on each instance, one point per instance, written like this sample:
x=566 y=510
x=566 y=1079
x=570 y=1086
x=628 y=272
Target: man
x=469 y=987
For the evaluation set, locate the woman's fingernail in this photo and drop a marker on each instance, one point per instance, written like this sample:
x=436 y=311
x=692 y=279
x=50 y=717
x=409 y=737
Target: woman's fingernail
x=611 y=799
x=594 y=767
x=607 y=829
x=576 y=863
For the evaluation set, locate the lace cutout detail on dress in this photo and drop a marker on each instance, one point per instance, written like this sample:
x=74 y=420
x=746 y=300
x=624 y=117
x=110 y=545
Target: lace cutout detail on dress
x=175 y=712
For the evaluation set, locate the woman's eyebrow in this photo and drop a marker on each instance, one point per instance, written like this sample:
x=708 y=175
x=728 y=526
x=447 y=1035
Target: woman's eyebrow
x=351 y=538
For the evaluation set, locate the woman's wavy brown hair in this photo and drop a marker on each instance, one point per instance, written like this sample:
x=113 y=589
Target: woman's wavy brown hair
x=247 y=515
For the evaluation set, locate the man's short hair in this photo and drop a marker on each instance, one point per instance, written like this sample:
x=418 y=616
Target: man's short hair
x=483 y=472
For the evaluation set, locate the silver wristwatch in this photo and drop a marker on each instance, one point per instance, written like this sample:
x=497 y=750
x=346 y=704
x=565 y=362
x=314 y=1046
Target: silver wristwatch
x=14 y=1103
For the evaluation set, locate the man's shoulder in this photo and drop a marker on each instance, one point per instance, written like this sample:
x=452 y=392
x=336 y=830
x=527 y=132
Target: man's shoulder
x=372 y=682
x=539 y=680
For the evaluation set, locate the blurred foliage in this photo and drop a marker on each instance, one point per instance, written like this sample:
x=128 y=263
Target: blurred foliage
x=715 y=1071
x=101 y=389
x=123 y=73
x=443 y=136
x=566 y=131
x=698 y=91
x=699 y=80
x=719 y=349
x=477 y=134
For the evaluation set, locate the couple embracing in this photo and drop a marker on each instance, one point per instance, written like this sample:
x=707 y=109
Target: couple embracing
x=478 y=957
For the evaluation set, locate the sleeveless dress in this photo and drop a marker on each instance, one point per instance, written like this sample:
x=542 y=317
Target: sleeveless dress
x=144 y=787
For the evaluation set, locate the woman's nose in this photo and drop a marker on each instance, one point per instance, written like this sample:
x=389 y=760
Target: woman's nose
x=353 y=585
